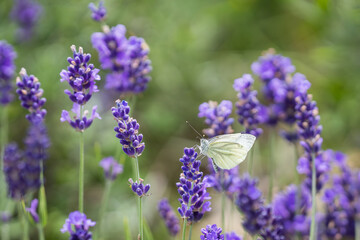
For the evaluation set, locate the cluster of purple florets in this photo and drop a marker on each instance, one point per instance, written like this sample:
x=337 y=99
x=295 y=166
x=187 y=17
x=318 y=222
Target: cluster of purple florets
x=171 y=220
x=251 y=113
x=139 y=187
x=216 y=117
x=127 y=130
x=111 y=168
x=81 y=77
x=7 y=69
x=98 y=13
x=78 y=226
x=126 y=58
x=194 y=198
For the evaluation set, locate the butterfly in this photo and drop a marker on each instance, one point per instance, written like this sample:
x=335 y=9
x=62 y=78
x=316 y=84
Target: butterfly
x=228 y=150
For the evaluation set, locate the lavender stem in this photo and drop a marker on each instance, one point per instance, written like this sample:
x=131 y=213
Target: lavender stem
x=104 y=204
x=81 y=173
x=137 y=174
x=222 y=201
x=313 y=196
x=190 y=231
x=271 y=167
x=40 y=231
x=25 y=230
x=357 y=229
x=250 y=165
x=184 y=229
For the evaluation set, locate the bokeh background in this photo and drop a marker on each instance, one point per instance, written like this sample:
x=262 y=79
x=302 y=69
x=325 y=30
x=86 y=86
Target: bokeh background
x=197 y=48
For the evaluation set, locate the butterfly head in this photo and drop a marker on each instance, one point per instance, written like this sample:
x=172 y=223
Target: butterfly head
x=204 y=145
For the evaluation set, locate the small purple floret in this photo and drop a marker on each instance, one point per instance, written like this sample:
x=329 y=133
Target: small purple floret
x=139 y=188
x=98 y=13
x=111 y=168
x=211 y=232
x=7 y=69
x=33 y=210
x=77 y=225
x=171 y=220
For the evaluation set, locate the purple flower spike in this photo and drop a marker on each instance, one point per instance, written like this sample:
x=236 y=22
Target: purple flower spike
x=81 y=77
x=111 y=168
x=216 y=117
x=192 y=188
x=211 y=232
x=139 y=188
x=126 y=58
x=127 y=130
x=26 y=13
x=251 y=113
x=5 y=217
x=78 y=226
x=169 y=216
x=33 y=210
x=30 y=95
x=80 y=122
x=98 y=13
x=309 y=130
x=7 y=69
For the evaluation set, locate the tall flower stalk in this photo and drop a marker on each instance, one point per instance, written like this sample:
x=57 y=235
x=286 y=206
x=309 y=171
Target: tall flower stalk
x=81 y=76
x=127 y=130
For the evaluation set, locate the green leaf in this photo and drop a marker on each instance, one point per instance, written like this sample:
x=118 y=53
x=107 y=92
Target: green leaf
x=148 y=233
x=127 y=229
x=42 y=206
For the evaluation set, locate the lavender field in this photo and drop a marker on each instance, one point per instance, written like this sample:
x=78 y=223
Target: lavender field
x=154 y=120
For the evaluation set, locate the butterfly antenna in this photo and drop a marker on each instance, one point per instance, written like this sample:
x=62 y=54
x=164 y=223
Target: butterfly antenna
x=194 y=129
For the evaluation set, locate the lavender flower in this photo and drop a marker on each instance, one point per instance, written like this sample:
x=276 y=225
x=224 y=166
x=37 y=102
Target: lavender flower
x=33 y=210
x=26 y=13
x=7 y=69
x=78 y=226
x=126 y=58
x=342 y=201
x=211 y=232
x=5 y=217
x=232 y=236
x=258 y=218
x=111 y=168
x=271 y=66
x=285 y=206
x=216 y=117
x=194 y=198
x=30 y=95
x=169 y=216
x=251 y=113
x=98 y=13
x=80 y=122
x=81 y=76
x=309 y=130
x=139 y=188
x=127 y=130
x=15 y=172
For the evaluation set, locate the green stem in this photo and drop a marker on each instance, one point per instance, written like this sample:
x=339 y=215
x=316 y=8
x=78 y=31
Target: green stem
x=141 y=223
x=313 y=197
x=298 y=183
x=357 y=229
x=251 y=161
x=223 y=198
x=190 y=231
x=104 y=204
x=271 y=167
x=81 y=174
x=40 y=231
x=5 y=231
x=184 y=229
x=24 y=222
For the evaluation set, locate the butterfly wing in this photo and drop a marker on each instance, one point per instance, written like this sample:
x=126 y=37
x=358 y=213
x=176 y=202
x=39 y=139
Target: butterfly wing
x=229 y=150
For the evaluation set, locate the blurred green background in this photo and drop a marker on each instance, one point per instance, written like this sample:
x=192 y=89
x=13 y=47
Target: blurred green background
x=197 y=49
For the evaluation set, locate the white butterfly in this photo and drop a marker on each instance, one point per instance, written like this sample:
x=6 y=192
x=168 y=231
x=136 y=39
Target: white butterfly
x=228 y=150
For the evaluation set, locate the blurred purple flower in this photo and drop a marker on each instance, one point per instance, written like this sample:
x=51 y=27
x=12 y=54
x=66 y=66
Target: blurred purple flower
x=232 y=236
x=192 y=189
x=5 y=217
x=169 y=216
x=81 y=76
x=30 y=95
x=26 y=13
x=139 y=188
x=251 y=113
x=127 y=130
x=7 y=69
x=98 y=13
x=126 y=58
x=216 y=117
x=80 y=122
x=78 y=226
x=211 y=232
x=33 y=210
x=285 y=206
x=111 y=168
